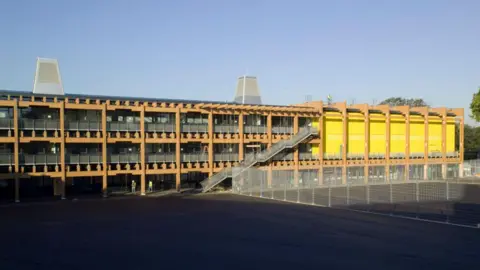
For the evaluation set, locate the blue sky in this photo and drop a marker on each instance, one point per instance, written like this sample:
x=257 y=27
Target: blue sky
x=359 y=49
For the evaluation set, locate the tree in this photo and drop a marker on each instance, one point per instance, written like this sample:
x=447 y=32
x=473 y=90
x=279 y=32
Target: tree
x=399 y=101
x=475 y=106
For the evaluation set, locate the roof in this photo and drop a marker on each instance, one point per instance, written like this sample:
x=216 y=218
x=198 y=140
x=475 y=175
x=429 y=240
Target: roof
x=14 y=93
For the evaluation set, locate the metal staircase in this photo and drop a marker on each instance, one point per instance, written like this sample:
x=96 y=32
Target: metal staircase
x=254 y=158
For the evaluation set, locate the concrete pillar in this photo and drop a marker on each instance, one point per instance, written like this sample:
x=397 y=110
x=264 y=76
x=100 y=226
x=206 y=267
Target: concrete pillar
x=425 y=172
x=460 y=170
x=444 y=171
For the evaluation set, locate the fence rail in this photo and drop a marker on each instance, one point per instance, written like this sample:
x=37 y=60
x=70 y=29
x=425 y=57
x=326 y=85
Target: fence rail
x=450 y=201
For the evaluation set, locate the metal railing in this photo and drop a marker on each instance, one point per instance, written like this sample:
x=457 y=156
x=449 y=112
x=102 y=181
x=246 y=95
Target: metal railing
x=6 y=159
x=332 y=156
x=225 y=157
x=397 y=155
x=254 y=129
x=225 y=128
x=253 y=158
x=376 y=155
x=83 y=125
x=191 y=127
x=160 y=157
x=39 y=159
x=6 y=123
x=194 y=157
x=39 y=124
x=417 y=155
x=83 y=158
x=355 y=156
x=448 y=201
x=159 y=127
x=435 y=154
x=282 y=129
x=123 y=126
x=308 y=156
x=283 y=156
x=123 y=158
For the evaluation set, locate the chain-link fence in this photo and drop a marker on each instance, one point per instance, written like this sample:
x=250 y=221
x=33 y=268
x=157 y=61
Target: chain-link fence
x=424 y=196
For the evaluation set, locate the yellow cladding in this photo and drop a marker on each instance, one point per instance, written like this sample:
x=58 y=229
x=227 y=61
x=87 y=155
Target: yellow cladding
x=417 y=134
x=450 y=134
x=378 y=129
x=332 y=133
x=434 y=134
x=316 y=123
x=315 y=149
x=397 y=134
x=356 y=134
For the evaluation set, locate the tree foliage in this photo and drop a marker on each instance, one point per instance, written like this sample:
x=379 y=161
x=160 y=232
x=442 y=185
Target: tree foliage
x=475 y=106
x=399 y=101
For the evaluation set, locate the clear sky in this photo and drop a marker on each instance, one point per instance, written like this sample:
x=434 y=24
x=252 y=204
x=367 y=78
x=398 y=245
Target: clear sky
x=195 y=49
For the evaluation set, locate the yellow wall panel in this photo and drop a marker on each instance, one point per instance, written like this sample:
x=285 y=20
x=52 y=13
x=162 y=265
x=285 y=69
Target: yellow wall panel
x=434 y=135
x=315 y=149
x=316 y=123
x=450 y=135
x=377 y=137
x=397 y=136
x=417 y=134
x=356 y=134
x=332 y=134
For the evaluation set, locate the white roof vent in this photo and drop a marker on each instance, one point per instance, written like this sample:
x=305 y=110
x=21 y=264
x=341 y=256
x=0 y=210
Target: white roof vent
x=47 y=77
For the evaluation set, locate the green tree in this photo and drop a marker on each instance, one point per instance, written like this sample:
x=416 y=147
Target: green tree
x=399 y=101
x=475 y=106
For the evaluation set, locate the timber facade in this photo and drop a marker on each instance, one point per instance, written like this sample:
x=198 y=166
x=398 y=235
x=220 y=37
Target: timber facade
x=68 y=140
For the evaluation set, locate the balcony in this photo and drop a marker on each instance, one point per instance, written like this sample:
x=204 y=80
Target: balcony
x=282 y=130
x=39 y=124
x=6 y=159
x=83 y=125
x=417 y=155
x=397 y=155
x=455 y=154
x=435 y=155
x=194 y=128
x=123 y=126
x=355 y=156
x=159 y=127
x=225 y=156
x=194 y=157
x=123 y=158
x=332 y=156
x=6 y=123
x=225 y=128
x=39 y=159
x=255 y=129
x=160 y=157
x=283 y=156
x=376 y=155
x=83 y=158
x=308 y=156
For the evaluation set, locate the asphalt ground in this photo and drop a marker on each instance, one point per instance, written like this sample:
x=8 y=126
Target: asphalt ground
x=222 y=232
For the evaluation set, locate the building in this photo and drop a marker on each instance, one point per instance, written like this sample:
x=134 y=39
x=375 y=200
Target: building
x=60 y=142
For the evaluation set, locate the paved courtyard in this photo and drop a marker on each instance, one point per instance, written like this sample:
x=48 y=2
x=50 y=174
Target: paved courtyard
x=222 y=232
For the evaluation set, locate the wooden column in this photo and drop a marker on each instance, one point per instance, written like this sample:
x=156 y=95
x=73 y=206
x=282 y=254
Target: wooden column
x=210 y=143
x=344 y=142
x=177 y=149
x=62 y=149
x=296 y=162
x=407 y=143
x=142 y=151
x=16 y=151
x=425 y=115
x=241 y=145
x=366 y=114
x=269 y=144
x=104 y=152
x=387 y=145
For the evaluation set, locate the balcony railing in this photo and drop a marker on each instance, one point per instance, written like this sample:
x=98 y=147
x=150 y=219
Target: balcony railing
x=122 y=126
x=355 y=155
x=255 y=129
x=435 y=154
x=225 y=156
x=42 y=159
x=397 y=155
x=83 y=125
x=39 y=124
x=159 y=127
x=417 y=155
x=6 y=123
x=282 y=130
x=6 y=159
x=160 y=157
x=194 y=157
x=283 y=156
x=376 y=155
x=453 y=154
x=308 y=156
x=220 y=128
x=190 y=127
x=332 y=156
x=123 y=158
x=83 y=158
